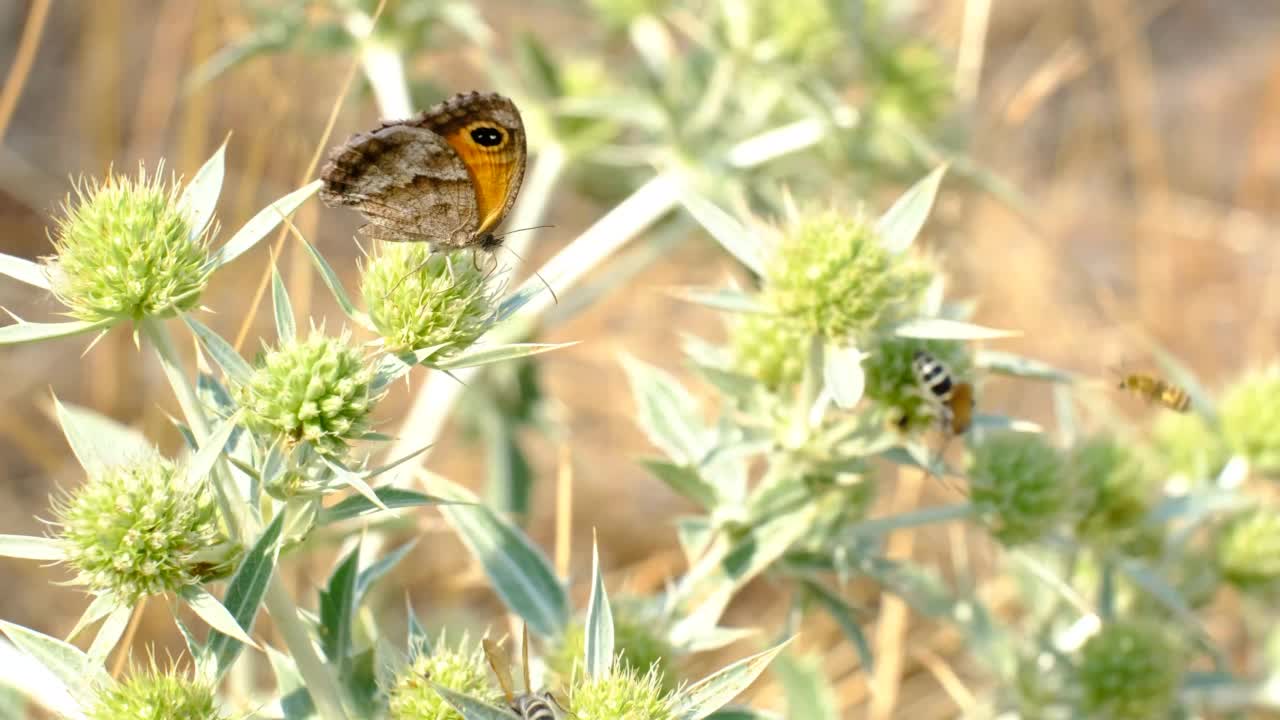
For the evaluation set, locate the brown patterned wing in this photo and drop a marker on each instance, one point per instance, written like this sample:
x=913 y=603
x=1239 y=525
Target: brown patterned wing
x=408 y=181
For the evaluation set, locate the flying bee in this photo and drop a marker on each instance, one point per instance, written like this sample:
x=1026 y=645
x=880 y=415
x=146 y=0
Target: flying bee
x=526 y=705
x=954 y=400
x=1156 y=390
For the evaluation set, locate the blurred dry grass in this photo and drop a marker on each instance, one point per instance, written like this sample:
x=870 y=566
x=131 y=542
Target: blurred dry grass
x=1145 y=132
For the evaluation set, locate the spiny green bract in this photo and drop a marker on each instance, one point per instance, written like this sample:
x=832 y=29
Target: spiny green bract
x=138 y=529
x=155 y=695
x=1250 y=416
x=892 y=383
x=1018 y=486
x=622 y=694
x=418 y=299
x=1113 y=490
x=315 y=390
x=638 y=638
x=459 y=669
x=124 y=251
x=1184 y=443
x=1248 y=548
x=769 y=347
x=1130 y=670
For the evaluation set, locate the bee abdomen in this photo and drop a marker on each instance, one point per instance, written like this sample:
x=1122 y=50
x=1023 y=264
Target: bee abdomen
x=534 y=708
x=932 y=374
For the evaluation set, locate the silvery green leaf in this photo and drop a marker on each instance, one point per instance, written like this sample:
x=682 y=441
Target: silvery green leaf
x=932 y=515
x=205 y=667
x=1233 y=474
x=471 y=708
x=200 y=197
x=28 y=547
x=388 y=498
x=1005 y=423
x=809 y=695
x=598 y=632
x=379 y=568
x=519 y=572
x=245 y=592
x=419 y=641
x=476 y=356
x=81 y=674
x=98 y=441
x=732 y=235
x=716 y=690
x=199 y=467
x=331 y=281
x=215 y=614
x=295 y=702
x=264 y=222
x=393 y=366
x=694 y=533
x=286 y=329
x=355 y=481
x=25 y=332
x=222 y=352
x=944 y=329
x=716 y=637
x=1007 y=363
x=101 y=606
x=109 y=632
x=684 y=480
x=847 y=619
x=726 y=299
x=24 y=270
x=902 y=222
x=742 y=713
x=667 y=413
x=337 y=612
x=843 y=376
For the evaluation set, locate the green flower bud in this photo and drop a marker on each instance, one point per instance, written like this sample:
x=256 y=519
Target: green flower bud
x=315 y=391
x=1248 y=549
x=622 y=694
x=769 y=348
x=892 y=382
x=1018 y=486
x=639 y=640
x=831 y=275
x=620 y=13
x=1130 y=670
x=418 y=299
x=124 y=251
x=1113 y=491
x=803 y=31
x=155 y=695
x=458 y=668
x=1186 y=444
x=1250 y=416
x=140 y=529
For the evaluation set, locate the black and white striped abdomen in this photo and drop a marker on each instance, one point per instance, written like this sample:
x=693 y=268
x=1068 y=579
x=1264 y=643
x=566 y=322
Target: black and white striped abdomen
x=533 y=707
x=932 y=374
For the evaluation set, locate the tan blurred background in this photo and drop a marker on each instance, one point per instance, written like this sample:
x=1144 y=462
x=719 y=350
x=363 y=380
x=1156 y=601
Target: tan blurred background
x=1145 y=133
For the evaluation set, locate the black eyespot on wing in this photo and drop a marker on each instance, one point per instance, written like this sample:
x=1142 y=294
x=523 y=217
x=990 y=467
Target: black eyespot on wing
x=487 y=136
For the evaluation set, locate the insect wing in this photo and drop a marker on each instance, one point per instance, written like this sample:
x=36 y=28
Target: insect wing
x=498 y=661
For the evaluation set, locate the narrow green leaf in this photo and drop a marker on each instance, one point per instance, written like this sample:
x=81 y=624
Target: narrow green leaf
x=264 y=222
x=1007 y=363
x=79 y=672
x=712 y=638
x=101 y=606
x=97 y=440
x=742 y=713
x=213 y=612
x=667 y=413
x=471 y=708
x=844 y=616
x=355 y=481
x=222 y=352
x=694 y=533
x=25 y=332
x=286 y=329
x=109 y=633
x=714 y=691
x=685 y=481
x=295 y=702
x=337 y=612
x=419 y=641
x=510 y=482
x=732 y=235
x=334 y=283
x=598 y=633
x=843 y=376
x=378 y=569
x=199 y=199
x=944 y=329
x=23 y=270
x=519 y=572
x=901 y=223
x=475 y=357
x=28 y=547
x=201 y=465
x=205 y=667
x=725 y=299
x=388 y=497
x=244 y=593
x=809 y=695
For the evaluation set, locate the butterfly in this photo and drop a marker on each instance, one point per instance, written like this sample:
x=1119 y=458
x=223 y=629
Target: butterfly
x=447 y=176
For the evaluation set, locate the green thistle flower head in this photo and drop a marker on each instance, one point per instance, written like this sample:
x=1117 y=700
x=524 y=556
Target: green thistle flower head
x=1130 y=670
x=1113 y=491
x=460 y=668
x=832 y=276
x=1248 y=549
x=155 y=695
x=892 y=383
x=140 y=529
x=1018 y=486
x=418 y=299
x=1185 y=444
x=768 y=347
x=623 y=694
x=639 y=638
x=1250 y=415
x=315 y=390
x=125 y=251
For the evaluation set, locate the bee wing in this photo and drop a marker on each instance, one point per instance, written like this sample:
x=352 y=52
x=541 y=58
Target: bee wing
x=961 y=407
x=498 y=661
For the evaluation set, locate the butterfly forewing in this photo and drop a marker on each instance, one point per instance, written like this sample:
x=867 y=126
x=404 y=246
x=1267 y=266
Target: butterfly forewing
x=498 y=661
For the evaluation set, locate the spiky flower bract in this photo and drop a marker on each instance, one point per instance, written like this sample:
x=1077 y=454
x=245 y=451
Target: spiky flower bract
x=1250 y=417
x=831 y=275
x=1248 y=549
x=1184 y=443
x=1113 y=490
x=1130 y=670
x=460 y=668
x=315 y=390
x=638 y=637
x=622 y=694
x=892 y=382
x=139 y=529
x=769 y=348
x=155 y=695
x=419 y=299
x=1018 y=486
x=124 y=250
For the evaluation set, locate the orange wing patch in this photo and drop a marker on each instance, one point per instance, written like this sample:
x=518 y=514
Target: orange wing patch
x=493 y=168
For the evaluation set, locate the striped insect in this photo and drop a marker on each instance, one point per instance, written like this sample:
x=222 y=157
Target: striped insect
x=527 y=705
x=1156 y=391
x=954 y=400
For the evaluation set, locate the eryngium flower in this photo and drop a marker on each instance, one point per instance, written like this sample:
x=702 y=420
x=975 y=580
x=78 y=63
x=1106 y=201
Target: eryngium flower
x=1250 y=416
x=1186 y=444
x=1018 y=486
x=831 y=274
x=639 y=640
x=315 y=390
x=768 y=347
x=154 y=695
x=1248 y=549
x=125 y=250
x=418 y=299
x=1113 y=490
x=461 y=670
x=1130 y=670
x=138 y=529
x=622 y=694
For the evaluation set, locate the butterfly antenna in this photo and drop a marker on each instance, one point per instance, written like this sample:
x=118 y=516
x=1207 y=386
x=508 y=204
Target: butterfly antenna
x=512 y=232
x=528 y=686
x=537 y=274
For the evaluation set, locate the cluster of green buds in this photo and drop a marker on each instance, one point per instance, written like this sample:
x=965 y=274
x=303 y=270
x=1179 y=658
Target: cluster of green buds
x=1130 y=670
x=1019 y=487
x=1250 y=419
x=155 y=694
x=460 y=668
